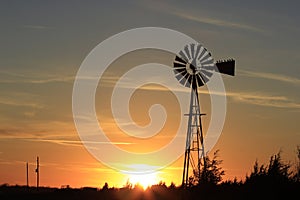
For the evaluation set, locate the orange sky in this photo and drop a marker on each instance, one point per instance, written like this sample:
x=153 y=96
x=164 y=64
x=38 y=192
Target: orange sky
x=43 y=46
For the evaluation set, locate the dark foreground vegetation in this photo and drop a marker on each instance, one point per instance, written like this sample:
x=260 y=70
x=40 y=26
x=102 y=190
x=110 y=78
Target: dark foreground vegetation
x=276 y=180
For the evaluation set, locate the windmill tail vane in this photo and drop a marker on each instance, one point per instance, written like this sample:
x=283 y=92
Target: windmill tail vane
x=226 y=66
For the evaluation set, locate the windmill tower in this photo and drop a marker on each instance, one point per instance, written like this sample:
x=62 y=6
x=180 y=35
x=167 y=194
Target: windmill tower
x=193 y=67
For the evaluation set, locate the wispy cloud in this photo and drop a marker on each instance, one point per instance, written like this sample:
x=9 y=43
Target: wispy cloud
x=10 y=162
x=11 y=77
x=265 y=100
x=75 y=142
x=254 y=98
x=37 y=27
x=56 y=132
x=177 y=11
x=112 y=80
x=20 y=103
x=271 y=76
x=21 y=99
x=91 y=167
x=38 y=130
x=67 y=79
x=216 y=22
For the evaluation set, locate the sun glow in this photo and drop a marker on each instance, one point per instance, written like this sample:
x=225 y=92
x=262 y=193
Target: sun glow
x=144 y=180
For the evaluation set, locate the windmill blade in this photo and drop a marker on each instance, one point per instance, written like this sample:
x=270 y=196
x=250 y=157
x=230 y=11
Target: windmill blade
x=204 y=78
x=199 y=81
x=209 y=67
x=207 y=73
x=183 y=55
x=178 y=76
x=226 y=67
x=209 y=60
x=188 y=81
x=202 y=51
x=197 y=51
x=178 y=65
x=205 y=56
x=180 y=60
x=192 y=46
x=187 y=52
x=181 y=71
x=184 y=79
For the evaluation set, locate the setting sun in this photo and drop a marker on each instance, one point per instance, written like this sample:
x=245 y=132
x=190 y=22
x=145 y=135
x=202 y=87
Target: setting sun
x=144 y=180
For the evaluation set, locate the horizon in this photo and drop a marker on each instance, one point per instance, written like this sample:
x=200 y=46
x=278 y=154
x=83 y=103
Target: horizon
x=138 y=182
x=44 y=45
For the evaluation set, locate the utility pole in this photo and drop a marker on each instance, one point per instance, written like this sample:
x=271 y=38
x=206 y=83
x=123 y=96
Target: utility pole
x=27 y=180
x=37 y=171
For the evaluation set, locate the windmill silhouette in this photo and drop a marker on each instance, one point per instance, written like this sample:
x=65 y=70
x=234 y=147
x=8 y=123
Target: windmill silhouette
x=193 y=67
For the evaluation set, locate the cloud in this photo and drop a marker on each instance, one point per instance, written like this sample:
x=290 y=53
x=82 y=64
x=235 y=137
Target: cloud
x=11 y=77
x=216 y=22
x=61 y=133
x=37 y=130
x=174 y=10
x=254 y=98
x=271 y=76
x=75 y=142
x=21 y=99
x=13 y=102
x=265 y=100
x=8 y=162
x=91 y=167
x=37 y=27
x=112 y=80
x=65 y=79
x=30 y=114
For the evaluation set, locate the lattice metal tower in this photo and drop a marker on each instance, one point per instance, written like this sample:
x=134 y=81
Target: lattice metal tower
x=194 y=150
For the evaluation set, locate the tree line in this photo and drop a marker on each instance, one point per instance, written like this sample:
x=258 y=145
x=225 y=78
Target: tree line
x=275 y=180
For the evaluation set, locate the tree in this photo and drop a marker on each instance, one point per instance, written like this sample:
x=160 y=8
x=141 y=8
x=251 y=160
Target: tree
x=275 y=172
x=278 y=169
x=297 y=170
x=105 y=186
x=210 y=173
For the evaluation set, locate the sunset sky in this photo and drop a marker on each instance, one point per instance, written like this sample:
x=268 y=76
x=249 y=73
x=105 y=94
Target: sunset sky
x=43 y=43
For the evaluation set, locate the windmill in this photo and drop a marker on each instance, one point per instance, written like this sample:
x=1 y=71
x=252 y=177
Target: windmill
x=193 y=67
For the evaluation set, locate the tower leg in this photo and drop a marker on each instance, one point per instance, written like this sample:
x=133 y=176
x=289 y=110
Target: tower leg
x=194 y=150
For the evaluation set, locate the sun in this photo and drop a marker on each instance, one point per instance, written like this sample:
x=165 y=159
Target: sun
x=144 y=180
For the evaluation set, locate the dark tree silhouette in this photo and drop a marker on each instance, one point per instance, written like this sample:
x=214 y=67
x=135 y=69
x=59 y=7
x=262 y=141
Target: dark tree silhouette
x=105 y=186
x=275 y=172
x=296 y=176
x=211 y=173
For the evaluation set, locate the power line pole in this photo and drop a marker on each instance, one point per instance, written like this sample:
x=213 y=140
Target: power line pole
x=37 y=171
x=27 y=179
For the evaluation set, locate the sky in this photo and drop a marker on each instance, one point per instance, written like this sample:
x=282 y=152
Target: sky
x=43 y=44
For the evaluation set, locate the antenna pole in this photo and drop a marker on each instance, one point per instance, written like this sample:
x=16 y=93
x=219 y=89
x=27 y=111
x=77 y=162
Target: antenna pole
x=37 y=171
